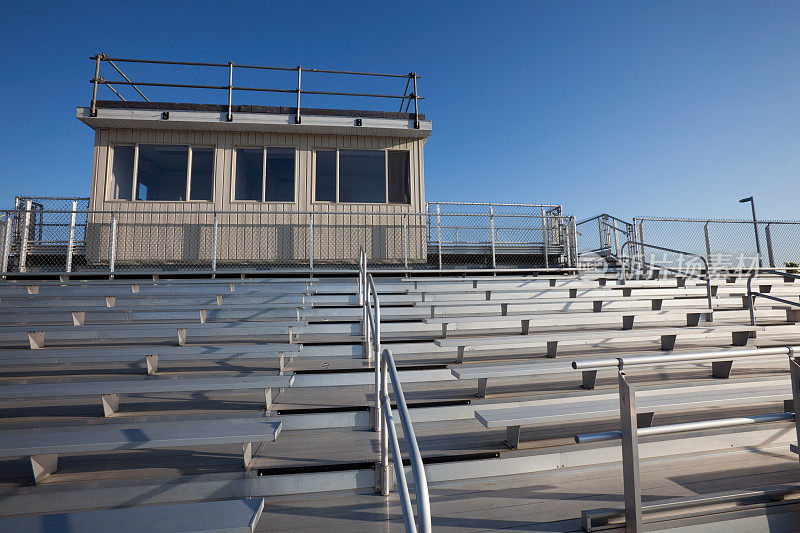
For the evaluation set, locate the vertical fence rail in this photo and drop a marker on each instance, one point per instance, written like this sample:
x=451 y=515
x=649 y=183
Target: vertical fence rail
x=71 y=243
x=7 y=242
x=491 y=236
x=112 y=261
x=214 y=240
x=26 y=226
x=439 y=234
x=405 y=241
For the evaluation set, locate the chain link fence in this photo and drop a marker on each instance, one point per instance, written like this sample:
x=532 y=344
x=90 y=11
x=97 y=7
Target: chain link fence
x=725 y=244
x=38 y=237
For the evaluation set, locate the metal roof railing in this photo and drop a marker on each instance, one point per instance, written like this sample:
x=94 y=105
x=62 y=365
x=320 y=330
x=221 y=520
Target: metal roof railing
x=98 y=79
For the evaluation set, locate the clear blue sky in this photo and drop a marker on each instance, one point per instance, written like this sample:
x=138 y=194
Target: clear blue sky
x=660 y=108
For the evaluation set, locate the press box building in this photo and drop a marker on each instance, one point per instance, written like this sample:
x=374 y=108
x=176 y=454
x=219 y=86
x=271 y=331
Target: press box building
x=248 y=184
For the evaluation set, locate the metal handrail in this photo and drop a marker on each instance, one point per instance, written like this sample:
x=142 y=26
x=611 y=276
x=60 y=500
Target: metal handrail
x=417 y=466
x=623 y=271
x=98 y=80
x=751 y=296
x=383 y=421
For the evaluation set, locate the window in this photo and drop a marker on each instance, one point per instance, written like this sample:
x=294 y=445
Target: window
x=156 y=172
x=162 y=172
x=122 y=172
x=264 y=175
x=201 y=186
x=398 y=172
x=280 y=175
x=249 y=175
x=325 y=181
x=363 y=176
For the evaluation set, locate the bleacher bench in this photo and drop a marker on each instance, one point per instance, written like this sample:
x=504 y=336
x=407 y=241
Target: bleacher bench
x=44 y=445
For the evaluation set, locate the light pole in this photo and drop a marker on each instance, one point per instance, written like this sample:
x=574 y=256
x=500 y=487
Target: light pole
x=755 y=226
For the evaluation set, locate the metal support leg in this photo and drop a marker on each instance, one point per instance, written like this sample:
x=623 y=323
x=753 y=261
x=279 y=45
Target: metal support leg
x=512 y=437
x=668 y=342
x=43 y=465
x=110 y=404
x=794 y=369
x=630 y=456
x=721 y=369
x=152 y=364
x=552 y=348
x=589 y=379
x=483 y=383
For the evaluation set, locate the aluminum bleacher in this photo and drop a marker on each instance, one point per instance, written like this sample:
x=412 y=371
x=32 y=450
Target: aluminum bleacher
x=207 y=423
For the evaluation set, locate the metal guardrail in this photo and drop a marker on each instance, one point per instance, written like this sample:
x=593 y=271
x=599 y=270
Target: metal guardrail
x=97 y=80
x=641 y=245
x=383 y=421
x=609 y=228
x=751 y=295
x=629 y=434
x=128 y=239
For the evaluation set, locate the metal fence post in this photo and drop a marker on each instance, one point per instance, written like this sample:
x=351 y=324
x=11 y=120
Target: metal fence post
x=574 y=243
x=641 y=248
x=95 y=81
x=794 y=370
x=113 y=253
x=708 y=245
x=7 y=243
x=71 y=245
x=544 y=241
x=769 y=246
x=214 y=243
x=630 y=456
x=230 y=91
x=491 y=236
x=297 y=115
x=311 y=241
x=405 y=241
x=23 y=254
x=439 y=235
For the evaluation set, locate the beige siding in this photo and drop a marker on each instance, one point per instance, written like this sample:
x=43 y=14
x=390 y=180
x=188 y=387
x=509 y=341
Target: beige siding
x=255 y=232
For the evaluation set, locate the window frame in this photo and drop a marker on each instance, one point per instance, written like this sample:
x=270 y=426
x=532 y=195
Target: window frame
x=385 y=177
x=135 y=178
x=263 y=200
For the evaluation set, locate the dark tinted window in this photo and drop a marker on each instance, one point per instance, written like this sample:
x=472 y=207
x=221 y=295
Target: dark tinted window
x=399 y=165
x=362 y=176
x=325 y=179
x=202 y=174
x=280 y=175
x=249 y=174
x=122 y=173
x=161 y=172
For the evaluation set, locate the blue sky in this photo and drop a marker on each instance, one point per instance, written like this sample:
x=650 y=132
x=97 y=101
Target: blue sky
x=673 y=108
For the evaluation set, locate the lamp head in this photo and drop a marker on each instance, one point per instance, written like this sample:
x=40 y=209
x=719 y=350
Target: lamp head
x=744 y=200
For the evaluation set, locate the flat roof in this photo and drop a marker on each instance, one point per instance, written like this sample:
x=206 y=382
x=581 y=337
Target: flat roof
x=252 y=118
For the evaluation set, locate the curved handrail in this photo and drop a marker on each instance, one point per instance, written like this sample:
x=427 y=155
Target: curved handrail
x=417 y=467
x=670 y=250
x=751 y=296
x=383 y=421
